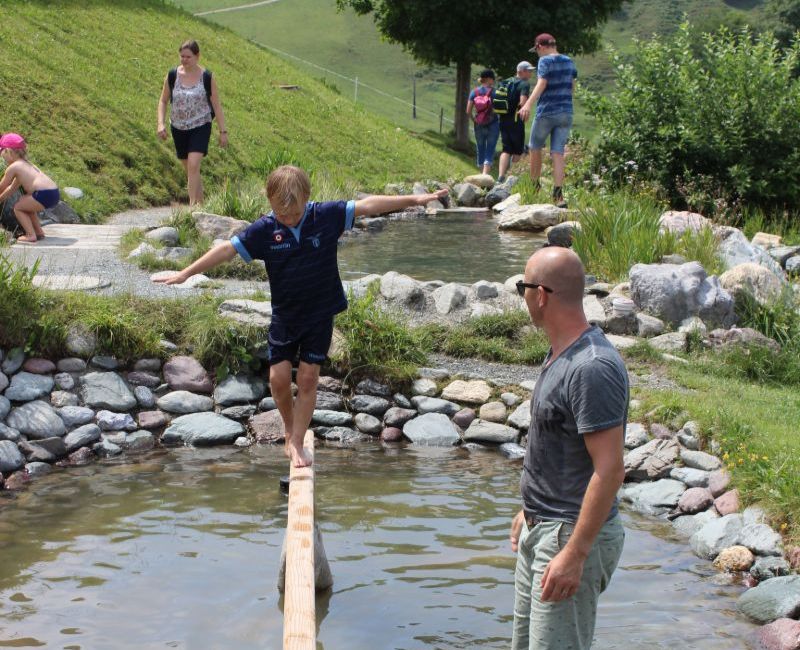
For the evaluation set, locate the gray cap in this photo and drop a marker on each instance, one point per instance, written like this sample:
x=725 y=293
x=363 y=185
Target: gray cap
x=524 y=65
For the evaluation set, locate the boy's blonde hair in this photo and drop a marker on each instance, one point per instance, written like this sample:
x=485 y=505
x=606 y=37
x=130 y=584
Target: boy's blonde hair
x=287 y=186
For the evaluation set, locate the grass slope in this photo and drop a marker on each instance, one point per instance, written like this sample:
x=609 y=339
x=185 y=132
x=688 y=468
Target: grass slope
x=82 y=80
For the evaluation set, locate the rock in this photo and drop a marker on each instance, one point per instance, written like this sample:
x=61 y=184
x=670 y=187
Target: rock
x=495 y=196
x=11 y=459
x=73 y=416
x=649 y=326
x=700 y=460
x=509 y=202
x=426 y=405
x=431 y=429
x=139 y=441
x=433 y=373
x=467 y=392
x=529 y=217
x=688 y=525
x=64 y=381
x=141 y=250
x=106 y=449
x=594 y=311
x=16 y=481
x=254 y=313
x=268 y=427
x=772 y=599
x=670 y=342
x=268 y=404
x=510 y=399
x=661 y=431
x=239 y=411
x=7 y=433
x=401 y=400
x=783 y=254
x=397 y=417
x=3 y=382
x=734 y=249
x=26 y=386
x=754 y=515
x=693 y=325
x=36 y=420
x=493 y=412
x=425 y=387
x=391 y=434
x=521 y=417
x=367 y=423
x=718 y=482
x=13 y=361
x=512 y=450
x=326 y=401
x=483 y=431
x=5 y=407
x=680 y=222
x=144 y=396
x=331 y=418
x=483 y=181
x=241 y=442
x=653 y=460
x=38 y=366
x=110 y=421
x=141 y=378
x=464 y=417
x=372 y=387
x=761 y=539
x=654 y=498
x=151 y=420
x=215 y=226
x=635 y=435
x=183 y=401
x=202 y=429
x=484 y=290
x=744 y=336
x=782 y=634
x=402 y=289
x=562 y=234
x=716 y=535
x=766 y=240
x=376 y=406
x=238 y=389
x=695 y=499
x=80 y=341
x=753 y=279
x=344 y=435
x=106 y=390
x=82 y=436
x=394 y=189
x=165 y=235
x=37 y=468
x=693 y=478
x=466 y=194
x=47 y=449
x=734 y=559
x=186 y=373
x=689 y=441
x=147 y=365
x=61 y=398
x=768 y=567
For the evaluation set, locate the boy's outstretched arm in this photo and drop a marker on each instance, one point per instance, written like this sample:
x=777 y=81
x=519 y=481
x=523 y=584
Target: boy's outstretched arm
x=379 y=204
x=223 y=253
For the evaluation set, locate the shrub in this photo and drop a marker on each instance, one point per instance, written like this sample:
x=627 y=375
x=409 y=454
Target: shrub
x=21 y=302
x=714 y=121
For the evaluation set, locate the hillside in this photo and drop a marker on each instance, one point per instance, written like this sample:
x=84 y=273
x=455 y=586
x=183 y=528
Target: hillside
x=351 y=46
x=81 y=81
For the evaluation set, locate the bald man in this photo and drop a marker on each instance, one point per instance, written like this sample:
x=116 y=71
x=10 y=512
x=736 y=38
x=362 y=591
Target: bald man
x=568 y=536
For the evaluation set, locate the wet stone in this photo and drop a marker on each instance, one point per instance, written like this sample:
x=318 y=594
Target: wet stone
x=152 y=419
x=74 y=416
x=330 y=384
x=512 y=450
x=11 y=459
x=148 y=365
x=183 y=401
x=106 y=449
x=464 y=417
x=267 y=404
x=331 y=418
x=106 y=390
x=38 y=468
x=239 y=389
x=36 y=420
x=239 y=412
x=391 y=434
x=26 y=387
x=376 y=406
x=138 y=441
x=186 y=373
x=397 y=417
x=7 y=433
x=82 y=456
x=5 y=407
x=434 y=405
x=144 y=396
x=110 y=421
x=401 y=400
x=82 y=436
x=768 y=567
x=432 y=429
x=368 y=424
x=267 y=427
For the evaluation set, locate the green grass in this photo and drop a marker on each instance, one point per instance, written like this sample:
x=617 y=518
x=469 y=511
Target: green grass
x=86 y=97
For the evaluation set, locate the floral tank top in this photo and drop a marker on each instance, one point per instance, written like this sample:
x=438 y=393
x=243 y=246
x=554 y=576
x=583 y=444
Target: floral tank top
x=190 y=107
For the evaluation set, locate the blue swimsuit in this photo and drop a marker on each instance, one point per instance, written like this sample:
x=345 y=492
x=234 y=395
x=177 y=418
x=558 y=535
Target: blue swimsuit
x=48 y=198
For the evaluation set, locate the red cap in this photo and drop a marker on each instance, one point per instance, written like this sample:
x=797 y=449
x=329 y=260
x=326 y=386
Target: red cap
x=543 y=39
x=12 y=141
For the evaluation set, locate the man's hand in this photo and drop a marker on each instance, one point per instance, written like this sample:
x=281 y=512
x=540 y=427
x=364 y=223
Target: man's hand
x=562 y=576
x=516 y=530
x=178 y=278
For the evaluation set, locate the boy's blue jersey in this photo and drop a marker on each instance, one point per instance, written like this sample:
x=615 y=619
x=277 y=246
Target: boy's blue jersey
x=301 y=262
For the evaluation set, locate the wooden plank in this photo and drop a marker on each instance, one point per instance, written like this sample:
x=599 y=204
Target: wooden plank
x=299 y=608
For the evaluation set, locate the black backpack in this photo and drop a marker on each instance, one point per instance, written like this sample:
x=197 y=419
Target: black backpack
x=172 y=77
x=506 y=97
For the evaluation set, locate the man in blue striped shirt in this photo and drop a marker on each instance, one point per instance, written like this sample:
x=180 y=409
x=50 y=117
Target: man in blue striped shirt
x=552 y=94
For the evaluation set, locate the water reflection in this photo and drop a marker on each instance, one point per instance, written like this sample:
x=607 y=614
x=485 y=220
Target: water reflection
x=449 y=247
x=182 y=550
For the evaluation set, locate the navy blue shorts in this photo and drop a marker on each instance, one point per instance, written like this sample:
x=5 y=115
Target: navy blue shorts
x=312 y=342
x=191 y=141
x=512 y=133
x=48 y=198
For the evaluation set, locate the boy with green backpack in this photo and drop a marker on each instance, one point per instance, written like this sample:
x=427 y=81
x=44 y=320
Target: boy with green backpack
x=509 y=95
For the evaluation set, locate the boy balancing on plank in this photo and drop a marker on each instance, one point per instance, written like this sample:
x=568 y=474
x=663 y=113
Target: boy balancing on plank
x=297 y=242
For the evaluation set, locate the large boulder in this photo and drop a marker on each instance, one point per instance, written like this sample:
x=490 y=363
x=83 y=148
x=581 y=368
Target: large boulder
x=82 y=436
x=716 y=535
x=761 y=539
x=186 y=373
x=782 y=634
x=467 y=392
x=772 y=599
x=653 y=460
x=537 y=216
x=11 y=459
x=654 y=498
x=183 y=402
x=679 y=222
x=215 y=226
x=751 y=278
x=239 y=389
x=744 y=336
x=483 y=431
x=202 y=429
x=734 y=249
x=36 y=420
x=521 y=417
x=431 y=429
x=449 y=297
x=467 y=194
x=675 y=292
x=106 y=390
x=26 y=386
x=402 y=288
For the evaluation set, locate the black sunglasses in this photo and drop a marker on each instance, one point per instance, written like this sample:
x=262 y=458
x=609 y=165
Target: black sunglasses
x=521 y=286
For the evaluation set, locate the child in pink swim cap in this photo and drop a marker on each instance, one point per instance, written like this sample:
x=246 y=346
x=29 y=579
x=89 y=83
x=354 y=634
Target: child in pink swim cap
x=41 y=192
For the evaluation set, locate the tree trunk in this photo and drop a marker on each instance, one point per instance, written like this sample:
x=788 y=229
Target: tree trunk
x=463 y=71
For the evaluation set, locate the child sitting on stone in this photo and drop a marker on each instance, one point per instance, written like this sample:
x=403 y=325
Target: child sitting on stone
x=41 y=192
x=297 y=242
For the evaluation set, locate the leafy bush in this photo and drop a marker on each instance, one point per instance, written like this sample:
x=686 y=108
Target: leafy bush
x=714 y=121
x=21 y=302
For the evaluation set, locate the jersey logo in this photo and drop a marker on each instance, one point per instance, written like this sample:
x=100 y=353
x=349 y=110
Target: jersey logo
x=278 y=237
x=315 y=241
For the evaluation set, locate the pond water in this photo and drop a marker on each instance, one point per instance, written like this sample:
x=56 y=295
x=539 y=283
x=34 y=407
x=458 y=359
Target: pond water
x=453 y=247
x=181 y=550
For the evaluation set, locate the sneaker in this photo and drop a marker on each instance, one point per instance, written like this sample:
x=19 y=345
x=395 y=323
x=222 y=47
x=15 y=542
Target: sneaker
x=501 y=179
x=562 y=204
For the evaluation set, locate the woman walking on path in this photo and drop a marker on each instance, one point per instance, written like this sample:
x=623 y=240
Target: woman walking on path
x=487 y=124
x=193 y=92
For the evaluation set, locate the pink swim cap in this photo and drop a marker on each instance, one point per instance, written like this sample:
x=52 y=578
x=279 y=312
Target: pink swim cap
x=12 y=141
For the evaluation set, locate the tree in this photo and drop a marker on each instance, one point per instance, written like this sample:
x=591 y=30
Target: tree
x=783 y=18
x=497 y=33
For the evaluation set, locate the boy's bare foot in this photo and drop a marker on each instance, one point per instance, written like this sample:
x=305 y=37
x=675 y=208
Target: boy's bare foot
x=27 y=239
x=299 y=456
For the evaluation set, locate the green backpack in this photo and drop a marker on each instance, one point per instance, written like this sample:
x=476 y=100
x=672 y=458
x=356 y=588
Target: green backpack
x=506 y=97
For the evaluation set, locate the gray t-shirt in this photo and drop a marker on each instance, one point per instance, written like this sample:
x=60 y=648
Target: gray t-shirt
x=584 y=390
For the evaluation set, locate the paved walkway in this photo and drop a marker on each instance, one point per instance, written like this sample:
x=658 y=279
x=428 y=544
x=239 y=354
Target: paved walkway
x=86 y=257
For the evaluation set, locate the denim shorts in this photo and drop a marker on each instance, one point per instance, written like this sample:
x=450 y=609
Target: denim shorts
x=557 y=127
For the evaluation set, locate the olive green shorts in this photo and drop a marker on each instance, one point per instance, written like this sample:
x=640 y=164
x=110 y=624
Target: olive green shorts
x=568 y=624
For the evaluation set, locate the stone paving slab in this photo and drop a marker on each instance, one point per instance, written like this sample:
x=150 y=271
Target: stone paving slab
x=69 y=282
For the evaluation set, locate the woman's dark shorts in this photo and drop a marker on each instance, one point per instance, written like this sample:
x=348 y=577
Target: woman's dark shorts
x=312 y=341
x=194 y=140
x=512 y=132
